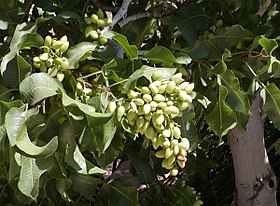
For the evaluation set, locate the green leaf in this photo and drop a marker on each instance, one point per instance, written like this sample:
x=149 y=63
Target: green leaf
x=39 y=86
x=215 y=47
x=121 y=194
x=17 y=69
x=75 y=53
x=219 y=68
x=269 y=45
x=162 y=54
x=130 y=50
x=185 y=196
x=95 y=119
x=271 y=106
x=62 y=186
x=31 y=40
x=84 y=184
x=30 y=173
x=76 y=160
x=147 y=71
x=236 y=99
x=142 y=167
x=103 y=135
x=17 y=133
x=222 y=118
x=21 y=30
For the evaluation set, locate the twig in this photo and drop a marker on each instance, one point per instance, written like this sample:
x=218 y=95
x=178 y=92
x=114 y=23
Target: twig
x=105 y=7
x=121 y=13
x=259 y=56
x=134 y=17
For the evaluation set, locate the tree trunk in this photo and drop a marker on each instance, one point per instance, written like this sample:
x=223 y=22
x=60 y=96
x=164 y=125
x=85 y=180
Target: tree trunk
x=255 y=181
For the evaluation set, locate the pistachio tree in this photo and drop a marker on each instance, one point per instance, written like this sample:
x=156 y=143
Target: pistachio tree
x=133 y=102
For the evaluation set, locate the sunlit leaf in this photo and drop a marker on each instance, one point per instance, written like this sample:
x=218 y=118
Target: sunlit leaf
x=17 y=133
x=31 y=170
x=39 y=86
x=271 y=96
x=222 y=118
x=269 y=45
x=75 y=159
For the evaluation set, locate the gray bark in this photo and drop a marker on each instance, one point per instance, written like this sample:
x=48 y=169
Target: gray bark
x=255 y=181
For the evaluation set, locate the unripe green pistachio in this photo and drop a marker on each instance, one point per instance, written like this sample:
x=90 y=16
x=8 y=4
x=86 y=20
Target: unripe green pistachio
x=162 y=105
x=159 y=119
x=183 y=152
x=170 y=103
x=189 y=99
x=176 y=149
x=143 y=129
x=166 y=133
x=36 y=59
x=94 y=18
x=146 y=108
x=182 y=95
x=120 y=112
x=158 y=127
x=87 y=20
x=87 y=91
x=147 y=98
x=183 y=85
x=140 y=122
x=64 y=39
x=101 y=23
x=56 y=44
x=126 y=105
x=132 y=94
x=150 y=133
x=219 y=23
x=108 y=21
x=94 y=34
x=165 y=165
x=155 y=145
x=64 y=65
x=171 y=160
x=37 y=65
x=86 y=55
x=170 y=87
x=168 y=152
x=174 y=142
x=154 y=105
x=43 y=67
x=166 y=143
x=189 y=87
x=181 y=164
x=48 y=41
x=174 y=172
x=79 y=86
x=131 y=115
x=156 y=75
x=103 y=40
x=131 y=122
x=160 y=154
x=44 y=57
x=112 y=107
x=183 y=105
x=174 y=110
x=139 y=102
x=181 y=157
x=133 y=106
x=100 y=14
x=176 y=89
x=159 y=98
x=177 y=78
x=88 y=29
x=64 y=46
x=176 y=132
x=58 y=61
x=184 y=144
x=145 y=90
x=148 y=116
x=60 y=76
x=162 y=88
x=153 y=88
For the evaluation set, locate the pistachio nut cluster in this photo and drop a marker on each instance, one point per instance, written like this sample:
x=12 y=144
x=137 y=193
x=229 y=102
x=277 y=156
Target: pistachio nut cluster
x=95 y=24
x=150 y=110
x=52 y=60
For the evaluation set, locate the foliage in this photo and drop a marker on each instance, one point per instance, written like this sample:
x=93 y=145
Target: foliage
x=65 y=64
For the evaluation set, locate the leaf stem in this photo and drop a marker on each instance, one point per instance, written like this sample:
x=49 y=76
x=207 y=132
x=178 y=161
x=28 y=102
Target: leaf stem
x=92 y=74
x=117 y=83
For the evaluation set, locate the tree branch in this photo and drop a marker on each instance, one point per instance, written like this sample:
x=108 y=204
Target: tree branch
x=121 y=13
